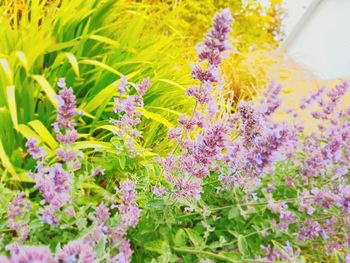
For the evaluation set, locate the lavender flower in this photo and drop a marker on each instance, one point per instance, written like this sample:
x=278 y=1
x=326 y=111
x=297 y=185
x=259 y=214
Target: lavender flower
x=125 y=253
x=30 y=254
x=15 y=212
x=160 y=191
x=101 y=213
x=34 y=150
x=54 y=182
x=129 y=210
x=76 y=250
x=128 y=108
x=198 y=155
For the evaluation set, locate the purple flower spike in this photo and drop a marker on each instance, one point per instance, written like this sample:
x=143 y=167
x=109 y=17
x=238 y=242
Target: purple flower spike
x=34 y=150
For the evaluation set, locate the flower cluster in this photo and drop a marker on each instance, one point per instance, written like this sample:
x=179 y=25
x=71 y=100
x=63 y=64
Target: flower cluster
x=130 y=213
x=321 y=157
x=128 y=109
x=15 y=212
x=54 y=181
x=198 y=154
x=274 y=254
x=83 y=250
x=74 y=251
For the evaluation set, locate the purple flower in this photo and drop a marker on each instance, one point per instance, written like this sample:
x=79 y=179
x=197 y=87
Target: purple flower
x=15 y=212
x=48 y=216
x=160 y=191
x=129 y=210
x=309 y=230
x=174 y=133
x=143 y=86
x=98 y=170
x=125 y=253
x=128 y=107
x=61 y=83
x=123 y=86
x=30 y=254
x=101 y=213
x=202 y=95
x=216 y=42
x=76 y=250
x=34 y=150
x=204 y=76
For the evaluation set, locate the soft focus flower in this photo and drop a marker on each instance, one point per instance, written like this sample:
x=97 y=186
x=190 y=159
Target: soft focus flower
x=160 y=191
x=101 y=213
x=76 y=250
x=15 y=212
x=34 y=150
x=30 y=254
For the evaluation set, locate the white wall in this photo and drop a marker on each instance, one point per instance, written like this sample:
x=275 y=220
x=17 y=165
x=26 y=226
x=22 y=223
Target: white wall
x=322 y=44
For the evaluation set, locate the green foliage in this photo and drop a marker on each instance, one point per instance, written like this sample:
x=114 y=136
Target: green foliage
x=91 y=43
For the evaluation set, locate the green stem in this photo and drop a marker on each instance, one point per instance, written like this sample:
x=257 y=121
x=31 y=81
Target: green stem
x=202 y=252
x=216 y=256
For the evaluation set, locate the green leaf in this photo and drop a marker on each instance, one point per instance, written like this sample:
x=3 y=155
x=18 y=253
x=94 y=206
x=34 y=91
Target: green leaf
x=28 y=132
x=243 y=245
x=73 y=61
x=231 y=255
x=105 y=40
x=157 y=117
x=6 y=161
x=22 y=58
x=6 y=67
x=100 y=248
x=100 y=65
x=101 y=98
x=63 y=45
x=11 y=100
x=107 y=127
x=158 y=246
x=91 y=144
x=46 y=87
x=171 y=82
x=195 y=238
x=122 y=162
x=300 y=259
x=233 y=213
x=45 y=135
x=180 y=238
x=23 y=178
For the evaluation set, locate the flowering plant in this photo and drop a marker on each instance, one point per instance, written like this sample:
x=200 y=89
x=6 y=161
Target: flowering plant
x=238 y=186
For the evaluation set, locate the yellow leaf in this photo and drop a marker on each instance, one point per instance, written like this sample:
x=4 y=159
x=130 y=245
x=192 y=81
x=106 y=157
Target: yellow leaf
x=11 y=100
x=156 y=117
x=6 y=67
x=6 y=161
x=46 y=87
x=45 y=135
x=73 y=61
x=100 y=65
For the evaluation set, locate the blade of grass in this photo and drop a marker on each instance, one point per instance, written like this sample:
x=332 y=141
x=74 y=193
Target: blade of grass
x=11 y=99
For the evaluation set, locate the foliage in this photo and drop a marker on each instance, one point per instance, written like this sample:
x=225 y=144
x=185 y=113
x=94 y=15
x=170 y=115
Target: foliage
x=92 y=43
x=235 y=186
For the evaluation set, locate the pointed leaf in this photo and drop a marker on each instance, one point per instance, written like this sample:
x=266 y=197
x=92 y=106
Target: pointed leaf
x=6 y=161
x=73 y=61
x=156 y=117
x=46 y=87
x=195 y=238
x=11 y=100
x=44 y=133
